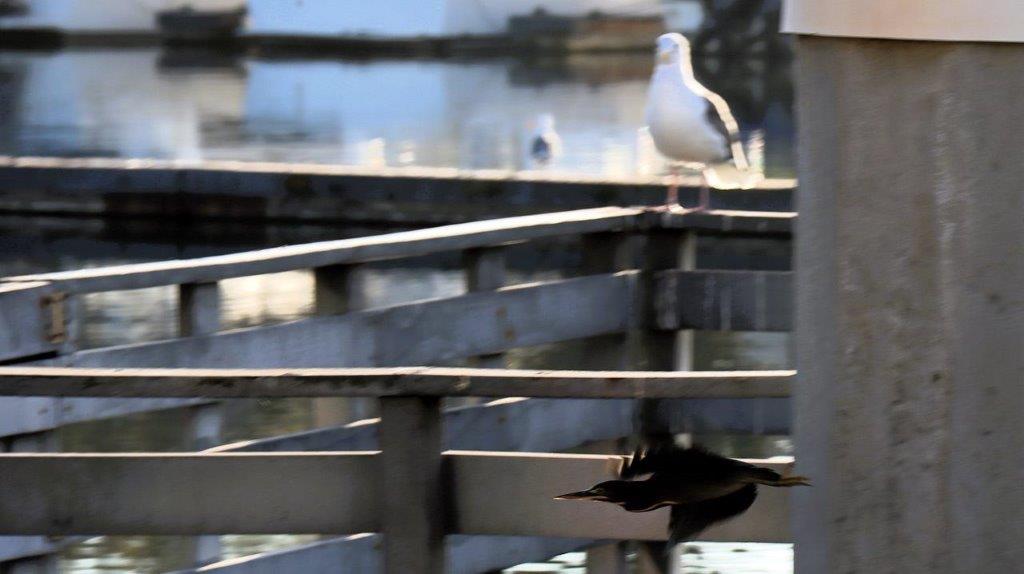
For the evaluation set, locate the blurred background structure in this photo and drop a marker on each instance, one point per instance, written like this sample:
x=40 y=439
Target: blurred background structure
x=140 y=131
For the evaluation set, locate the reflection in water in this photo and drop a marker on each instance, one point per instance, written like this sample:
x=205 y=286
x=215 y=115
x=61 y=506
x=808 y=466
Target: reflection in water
x=147 y=103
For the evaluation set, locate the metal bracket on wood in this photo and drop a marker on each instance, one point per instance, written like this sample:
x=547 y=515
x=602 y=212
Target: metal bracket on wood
x=55 y=307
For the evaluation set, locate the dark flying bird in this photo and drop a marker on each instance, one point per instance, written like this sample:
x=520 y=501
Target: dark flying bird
x=701 y=487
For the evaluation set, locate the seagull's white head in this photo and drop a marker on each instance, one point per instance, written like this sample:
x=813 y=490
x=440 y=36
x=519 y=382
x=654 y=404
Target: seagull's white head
x=672 y=48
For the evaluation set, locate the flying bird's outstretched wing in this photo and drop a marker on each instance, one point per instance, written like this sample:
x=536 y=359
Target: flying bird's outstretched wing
x=664 y=456
x=688 y=520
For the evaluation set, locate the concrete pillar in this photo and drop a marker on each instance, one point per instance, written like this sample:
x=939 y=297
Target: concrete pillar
x=910 y=313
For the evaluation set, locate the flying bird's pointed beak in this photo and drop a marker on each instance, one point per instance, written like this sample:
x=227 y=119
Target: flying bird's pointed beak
x=795 y=481
x=581 y=495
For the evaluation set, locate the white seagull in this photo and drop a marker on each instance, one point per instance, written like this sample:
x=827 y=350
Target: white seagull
x=546 y=145
x=690 y=124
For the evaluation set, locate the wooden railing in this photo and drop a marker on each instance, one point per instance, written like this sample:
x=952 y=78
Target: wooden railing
x=639 y=276
x=411 y=491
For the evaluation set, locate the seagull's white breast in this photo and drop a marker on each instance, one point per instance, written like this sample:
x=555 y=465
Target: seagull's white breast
x=677 y=120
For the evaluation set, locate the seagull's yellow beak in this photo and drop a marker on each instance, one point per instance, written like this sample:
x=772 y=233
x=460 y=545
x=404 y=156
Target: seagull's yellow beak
x=665 y=57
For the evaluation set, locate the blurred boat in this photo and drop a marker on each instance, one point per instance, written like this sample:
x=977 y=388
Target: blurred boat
x=13 y=8
x=594 y=31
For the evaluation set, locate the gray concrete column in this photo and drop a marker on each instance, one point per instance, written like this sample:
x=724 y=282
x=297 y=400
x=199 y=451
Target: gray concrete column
x=910 y=307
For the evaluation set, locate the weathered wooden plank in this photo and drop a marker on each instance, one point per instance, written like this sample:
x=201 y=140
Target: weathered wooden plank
x=389 y=382
x=20 y=547
x=361 y=553
x=333 y=192
x=733 y=222
x=188 y=493
x=414 y=501
x=42 y=564
x=26 y=320
x=724 y=300
x=515 y=424
x=546 y=425
x=425 y=332
x=328 y=493
x=356 y=553
x=23 y=415
x=344 y=251
x=34 y=414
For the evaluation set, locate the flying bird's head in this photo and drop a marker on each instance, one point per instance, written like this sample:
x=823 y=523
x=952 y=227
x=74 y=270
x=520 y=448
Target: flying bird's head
x=611 y=491
x=672 y=48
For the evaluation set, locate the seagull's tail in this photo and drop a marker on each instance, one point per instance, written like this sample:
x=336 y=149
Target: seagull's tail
x=728 y=176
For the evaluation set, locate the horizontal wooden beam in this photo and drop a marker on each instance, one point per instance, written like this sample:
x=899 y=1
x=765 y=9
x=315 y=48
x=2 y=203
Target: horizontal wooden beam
x=337 y=493
x=513 y=424
x=724 y=300
x=355 y=553
x=546 y=425
x=344 y=251
x=361 y=553
x=30 y=414
x=27 y=320
x=389 y=382
x=60 y=494
x=423 y=332
x=21 y=547
x=733 y=222
x=319 y=192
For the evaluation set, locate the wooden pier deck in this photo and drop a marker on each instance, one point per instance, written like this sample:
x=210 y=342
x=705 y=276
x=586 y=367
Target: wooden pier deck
x=316 y=192
x=640 y=284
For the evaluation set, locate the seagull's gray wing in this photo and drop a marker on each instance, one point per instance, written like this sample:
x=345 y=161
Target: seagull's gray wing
x=720 y=117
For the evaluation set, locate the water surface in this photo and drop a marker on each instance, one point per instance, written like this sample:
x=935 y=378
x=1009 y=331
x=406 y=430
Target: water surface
x=466 y=114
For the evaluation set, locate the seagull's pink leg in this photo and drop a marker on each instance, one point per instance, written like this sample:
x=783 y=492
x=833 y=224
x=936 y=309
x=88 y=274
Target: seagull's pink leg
x=705 y=197
x=672 y=197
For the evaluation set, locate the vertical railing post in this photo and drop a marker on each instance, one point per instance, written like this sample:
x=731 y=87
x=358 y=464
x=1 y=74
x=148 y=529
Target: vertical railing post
x=608 y=252
x=485 y=271
x=198 y=309
x=660 y=351
x=199 y=314
x=53 y=317
x=336 y=291
x=413 y=495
